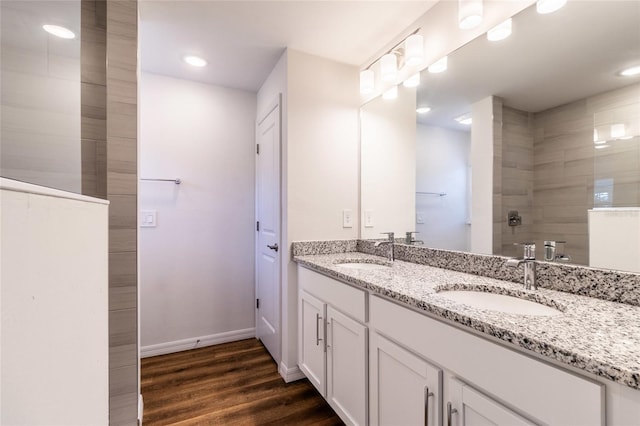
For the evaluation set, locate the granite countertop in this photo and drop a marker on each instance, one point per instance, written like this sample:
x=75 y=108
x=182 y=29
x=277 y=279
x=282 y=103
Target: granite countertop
x=591 y=334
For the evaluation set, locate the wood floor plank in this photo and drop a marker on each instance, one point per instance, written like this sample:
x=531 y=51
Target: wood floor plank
x=234 y=383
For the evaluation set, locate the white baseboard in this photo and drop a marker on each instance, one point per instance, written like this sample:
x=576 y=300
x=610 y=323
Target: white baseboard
x=140 y=409
x=196 y=342
x=290 y=374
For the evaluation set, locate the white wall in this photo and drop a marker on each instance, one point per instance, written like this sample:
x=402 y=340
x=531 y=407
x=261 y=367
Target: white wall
x=388 y=146
x=614 y=238
x=442 y=158
x=197 y=265
x=54 y=269
x=320 y=173
x=321 y=162
x=482 y=169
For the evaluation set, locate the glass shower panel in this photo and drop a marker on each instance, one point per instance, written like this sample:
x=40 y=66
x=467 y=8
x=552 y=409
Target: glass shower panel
x=617 y=156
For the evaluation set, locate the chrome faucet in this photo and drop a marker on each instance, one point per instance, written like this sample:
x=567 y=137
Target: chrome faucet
x=408 y=239
x=390 y=241
x=529 y=260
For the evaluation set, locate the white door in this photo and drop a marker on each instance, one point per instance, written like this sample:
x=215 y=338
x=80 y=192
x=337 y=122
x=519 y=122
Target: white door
x=312 y=348
x=404 y=388
x=347 y=367
x=268 y=228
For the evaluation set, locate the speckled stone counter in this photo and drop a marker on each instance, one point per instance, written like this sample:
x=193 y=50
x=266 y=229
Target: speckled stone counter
x=591 y=334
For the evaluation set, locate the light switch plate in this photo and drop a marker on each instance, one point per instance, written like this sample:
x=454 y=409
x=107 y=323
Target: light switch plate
x=420 y=217
x=148 y=218
x=347 y=218
x=368 y=218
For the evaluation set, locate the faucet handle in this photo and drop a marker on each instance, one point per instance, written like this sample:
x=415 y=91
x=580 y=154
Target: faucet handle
x=390 y=235
x=529 y=250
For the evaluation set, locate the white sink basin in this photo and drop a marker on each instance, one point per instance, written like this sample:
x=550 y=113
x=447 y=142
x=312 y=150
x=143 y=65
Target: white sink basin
x=499 y=303
x=363 y=266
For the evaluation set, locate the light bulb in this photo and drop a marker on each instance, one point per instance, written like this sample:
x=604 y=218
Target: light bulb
x=500 y=31
x=414 y=50
x=423 y=110
x=631 y=71
x=194 y=61
x=59 y=31
x=469 y=13
x=389 y=68
x=367 y=82
x=439 y=66
x=413 y=81
x=549 y=6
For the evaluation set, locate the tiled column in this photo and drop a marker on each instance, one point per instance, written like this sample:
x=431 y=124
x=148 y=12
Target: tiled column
x=122 y=178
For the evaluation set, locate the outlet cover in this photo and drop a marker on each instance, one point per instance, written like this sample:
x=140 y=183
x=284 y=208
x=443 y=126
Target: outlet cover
x=347 y=218
x=368 y=218
x=420 y=217
x=148 y=218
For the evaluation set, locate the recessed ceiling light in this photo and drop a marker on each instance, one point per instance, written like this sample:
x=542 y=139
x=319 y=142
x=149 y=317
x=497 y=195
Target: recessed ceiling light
x=500 y=31
x=439 y=66
x=464 y=119
x=423 y=110
x=630 y=71
x=413 y=81
x=549 y=6
x=59 y=31
x=194 y=61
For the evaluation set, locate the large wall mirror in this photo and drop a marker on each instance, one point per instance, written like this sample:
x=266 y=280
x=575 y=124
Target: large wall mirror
x=542 y=120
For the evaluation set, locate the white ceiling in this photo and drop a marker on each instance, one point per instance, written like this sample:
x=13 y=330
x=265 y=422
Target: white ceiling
x=243 y=40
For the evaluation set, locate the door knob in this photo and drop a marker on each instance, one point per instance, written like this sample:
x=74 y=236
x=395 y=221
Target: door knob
x=273 y=247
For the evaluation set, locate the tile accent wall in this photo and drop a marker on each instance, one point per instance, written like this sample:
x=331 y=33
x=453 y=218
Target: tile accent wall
x=517 y=178
x=549 y=166
x=93 y=97
x=109 y=170
x=122 y=184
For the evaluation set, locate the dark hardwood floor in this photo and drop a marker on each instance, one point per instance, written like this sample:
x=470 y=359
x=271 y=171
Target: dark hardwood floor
x=230 y=384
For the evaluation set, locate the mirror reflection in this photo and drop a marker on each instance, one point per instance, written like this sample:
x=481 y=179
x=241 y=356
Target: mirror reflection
x=545 y=148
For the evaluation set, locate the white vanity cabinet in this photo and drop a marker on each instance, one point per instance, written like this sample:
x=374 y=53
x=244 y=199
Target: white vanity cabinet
x=486 y=383
x=404 y=388
x=332 y=343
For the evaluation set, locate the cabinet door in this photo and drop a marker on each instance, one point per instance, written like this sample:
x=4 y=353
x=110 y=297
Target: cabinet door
x=404 y=388
x=347 y=367
x=472 y=408
x=311 y=340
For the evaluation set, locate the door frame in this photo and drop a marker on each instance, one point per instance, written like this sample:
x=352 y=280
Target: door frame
x=276 y=103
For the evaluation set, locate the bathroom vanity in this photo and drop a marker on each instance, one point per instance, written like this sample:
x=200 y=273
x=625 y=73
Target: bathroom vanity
x=385 y=343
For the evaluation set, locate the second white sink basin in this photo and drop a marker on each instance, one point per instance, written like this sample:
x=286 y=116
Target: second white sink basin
x=499 y=302
x=364 y=266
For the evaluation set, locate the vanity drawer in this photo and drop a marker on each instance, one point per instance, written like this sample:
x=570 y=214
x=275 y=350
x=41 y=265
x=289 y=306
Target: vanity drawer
x=345 y=298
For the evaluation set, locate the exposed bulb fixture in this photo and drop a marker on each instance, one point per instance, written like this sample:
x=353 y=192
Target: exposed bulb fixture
x=549 y=6
x=629 y=72
x=500 y=31
x=439 y=66
x=413 y=81
x=464 y=119
x=423 y=109
x=367 y=82
x=391 y=93
x=59 y=31
x=469 y=13
x=194 y=61
x=617 y=131
x=389 y=68
x=414 y=50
